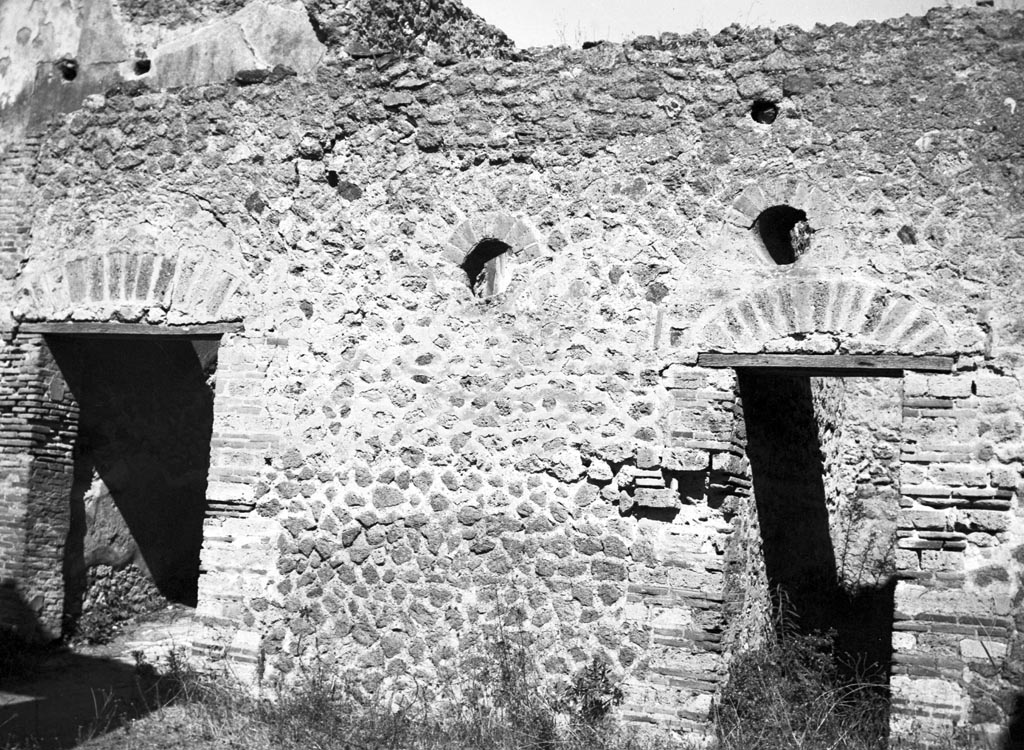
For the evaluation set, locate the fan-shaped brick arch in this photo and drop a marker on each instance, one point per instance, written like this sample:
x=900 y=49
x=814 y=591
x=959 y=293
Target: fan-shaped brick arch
x=820 y=317
x=513 y=231
x=184 y=286
x=820 y=207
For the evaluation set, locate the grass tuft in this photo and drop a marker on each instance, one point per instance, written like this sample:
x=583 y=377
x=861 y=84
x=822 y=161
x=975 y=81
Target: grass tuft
x=791 y=694
x=496 y=700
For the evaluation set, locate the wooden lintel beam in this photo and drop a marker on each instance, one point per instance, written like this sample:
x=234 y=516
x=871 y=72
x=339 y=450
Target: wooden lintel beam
x=130 y=330
x=865 y=365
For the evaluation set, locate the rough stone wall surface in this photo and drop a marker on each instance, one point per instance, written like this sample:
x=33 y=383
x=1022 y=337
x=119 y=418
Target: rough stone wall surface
x=398 y=465
x=409 y=26
x=860 y=420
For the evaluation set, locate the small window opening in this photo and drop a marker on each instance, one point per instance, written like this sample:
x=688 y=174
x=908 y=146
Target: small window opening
x=486 y=268
x=784 y=232
x=142 y=66
x=764 y=112
x=907 y=235
x=332 y=178
x=68 y=68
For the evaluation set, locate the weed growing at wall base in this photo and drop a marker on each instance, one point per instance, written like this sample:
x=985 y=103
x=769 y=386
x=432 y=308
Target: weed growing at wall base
x=790 y=693
x=504 y=704
x=794 y=693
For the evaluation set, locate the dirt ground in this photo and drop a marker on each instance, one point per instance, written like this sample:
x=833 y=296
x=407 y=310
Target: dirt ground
x=91 y=692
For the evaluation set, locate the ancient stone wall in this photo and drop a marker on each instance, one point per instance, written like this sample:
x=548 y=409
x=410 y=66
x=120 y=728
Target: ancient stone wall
x=398 y=465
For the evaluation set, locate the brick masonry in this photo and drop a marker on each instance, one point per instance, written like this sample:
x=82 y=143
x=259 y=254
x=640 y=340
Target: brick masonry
x=38 y=428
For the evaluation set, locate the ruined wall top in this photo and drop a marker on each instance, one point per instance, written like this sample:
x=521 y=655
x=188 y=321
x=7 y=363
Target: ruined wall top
x=97 y=44
x=643 y=159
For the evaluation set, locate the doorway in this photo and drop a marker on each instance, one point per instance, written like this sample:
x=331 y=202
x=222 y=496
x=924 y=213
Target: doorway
x=824 y=458
x=141 y=460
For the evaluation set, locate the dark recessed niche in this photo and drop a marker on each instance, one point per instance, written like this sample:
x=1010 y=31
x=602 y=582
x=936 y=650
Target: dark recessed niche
x=68 y=68
x=332 y=178
x=784 y=232
x=142 y=66
x=486 y=268
x=907 y=235
x=764 y=112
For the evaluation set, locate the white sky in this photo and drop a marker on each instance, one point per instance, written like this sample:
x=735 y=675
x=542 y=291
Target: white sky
x=546 y=22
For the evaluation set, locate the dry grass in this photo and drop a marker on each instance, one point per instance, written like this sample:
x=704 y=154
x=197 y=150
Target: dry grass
x=795 y=693
x=503 y=705
x=787 y=695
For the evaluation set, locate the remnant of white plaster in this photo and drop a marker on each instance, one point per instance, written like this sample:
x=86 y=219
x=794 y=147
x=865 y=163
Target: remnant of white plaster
x=1011 y=103
x=31 y=33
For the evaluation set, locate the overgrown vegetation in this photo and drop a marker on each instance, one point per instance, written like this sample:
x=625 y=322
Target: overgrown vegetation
x=496 y=699
x=498 y=702
x=792 y=692
x=796 y=691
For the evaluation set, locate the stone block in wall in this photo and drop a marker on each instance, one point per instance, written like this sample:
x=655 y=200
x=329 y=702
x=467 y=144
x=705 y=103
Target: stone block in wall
x=657 y=498
x=950 y=386
x=935 y=520
x=982 y=650
x=959 y=474
x=982 y=520
x=915 y=602
x=647 y=457
x=227 y=492
x=686 y=459
x=941 y=560
x=1007 y=477
x=995 y=385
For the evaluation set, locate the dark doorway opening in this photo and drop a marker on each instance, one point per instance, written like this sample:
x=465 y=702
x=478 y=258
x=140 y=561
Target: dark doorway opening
x=819 y=588
x=141 y=462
